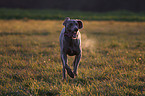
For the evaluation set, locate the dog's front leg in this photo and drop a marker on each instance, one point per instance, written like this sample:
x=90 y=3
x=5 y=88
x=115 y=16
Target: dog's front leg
x=76 y=63
x=64 y=62
x=65 y=66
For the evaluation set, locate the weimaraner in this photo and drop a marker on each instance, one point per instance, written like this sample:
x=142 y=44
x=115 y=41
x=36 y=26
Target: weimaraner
x=70 y=44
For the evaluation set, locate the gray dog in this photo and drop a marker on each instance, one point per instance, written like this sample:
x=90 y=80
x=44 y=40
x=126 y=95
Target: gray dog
x=70 y=44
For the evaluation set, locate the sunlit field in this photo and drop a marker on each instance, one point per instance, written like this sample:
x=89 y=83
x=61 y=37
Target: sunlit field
x=112 y=60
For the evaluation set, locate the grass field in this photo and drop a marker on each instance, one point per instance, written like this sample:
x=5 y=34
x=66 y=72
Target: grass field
x=112 y=62
x=120 y=15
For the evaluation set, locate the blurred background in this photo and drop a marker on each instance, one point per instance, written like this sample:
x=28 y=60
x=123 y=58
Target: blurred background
x=81 y=5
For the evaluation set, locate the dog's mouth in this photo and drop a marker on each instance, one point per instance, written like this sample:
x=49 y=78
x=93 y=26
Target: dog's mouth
x=72 y=35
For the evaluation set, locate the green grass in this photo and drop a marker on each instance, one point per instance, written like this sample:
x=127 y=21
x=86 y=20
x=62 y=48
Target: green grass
x=112 y=62
x=121 y=15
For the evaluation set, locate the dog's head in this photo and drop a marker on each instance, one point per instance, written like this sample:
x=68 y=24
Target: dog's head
x=72 y=26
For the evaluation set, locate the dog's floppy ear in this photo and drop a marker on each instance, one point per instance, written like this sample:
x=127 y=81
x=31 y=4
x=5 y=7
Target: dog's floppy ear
x=80 y=24
x=65 y=21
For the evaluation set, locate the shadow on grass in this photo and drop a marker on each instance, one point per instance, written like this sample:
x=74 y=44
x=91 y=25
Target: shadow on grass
x=82 y=81
x=48 y=93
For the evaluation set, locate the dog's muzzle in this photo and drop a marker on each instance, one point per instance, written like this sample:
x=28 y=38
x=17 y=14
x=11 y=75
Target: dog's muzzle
x=72 y=35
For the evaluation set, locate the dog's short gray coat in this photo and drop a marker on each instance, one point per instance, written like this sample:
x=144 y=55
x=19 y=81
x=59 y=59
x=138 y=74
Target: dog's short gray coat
x=70 y=44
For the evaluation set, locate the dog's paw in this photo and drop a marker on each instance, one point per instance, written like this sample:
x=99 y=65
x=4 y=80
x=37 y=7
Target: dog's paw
x=75 y=74
x=70 y=73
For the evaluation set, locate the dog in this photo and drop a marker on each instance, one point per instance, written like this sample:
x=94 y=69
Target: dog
x=70 y=44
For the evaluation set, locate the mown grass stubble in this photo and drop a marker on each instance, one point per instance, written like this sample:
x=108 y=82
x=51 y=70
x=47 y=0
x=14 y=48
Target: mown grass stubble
x=112 y=62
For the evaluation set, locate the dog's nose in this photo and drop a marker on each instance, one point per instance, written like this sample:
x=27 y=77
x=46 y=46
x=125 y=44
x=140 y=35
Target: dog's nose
x=76 y=29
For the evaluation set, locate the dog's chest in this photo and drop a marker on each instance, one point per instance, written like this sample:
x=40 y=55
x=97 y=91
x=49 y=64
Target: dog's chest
x=72 y=48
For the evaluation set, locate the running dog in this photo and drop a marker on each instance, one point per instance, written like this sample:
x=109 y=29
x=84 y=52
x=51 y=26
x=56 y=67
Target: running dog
x=70 y=44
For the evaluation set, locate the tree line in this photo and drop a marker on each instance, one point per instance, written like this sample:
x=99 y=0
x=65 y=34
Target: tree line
x=82 y=5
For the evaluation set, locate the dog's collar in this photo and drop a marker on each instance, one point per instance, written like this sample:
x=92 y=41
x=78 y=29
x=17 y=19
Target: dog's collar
x=70 y=35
